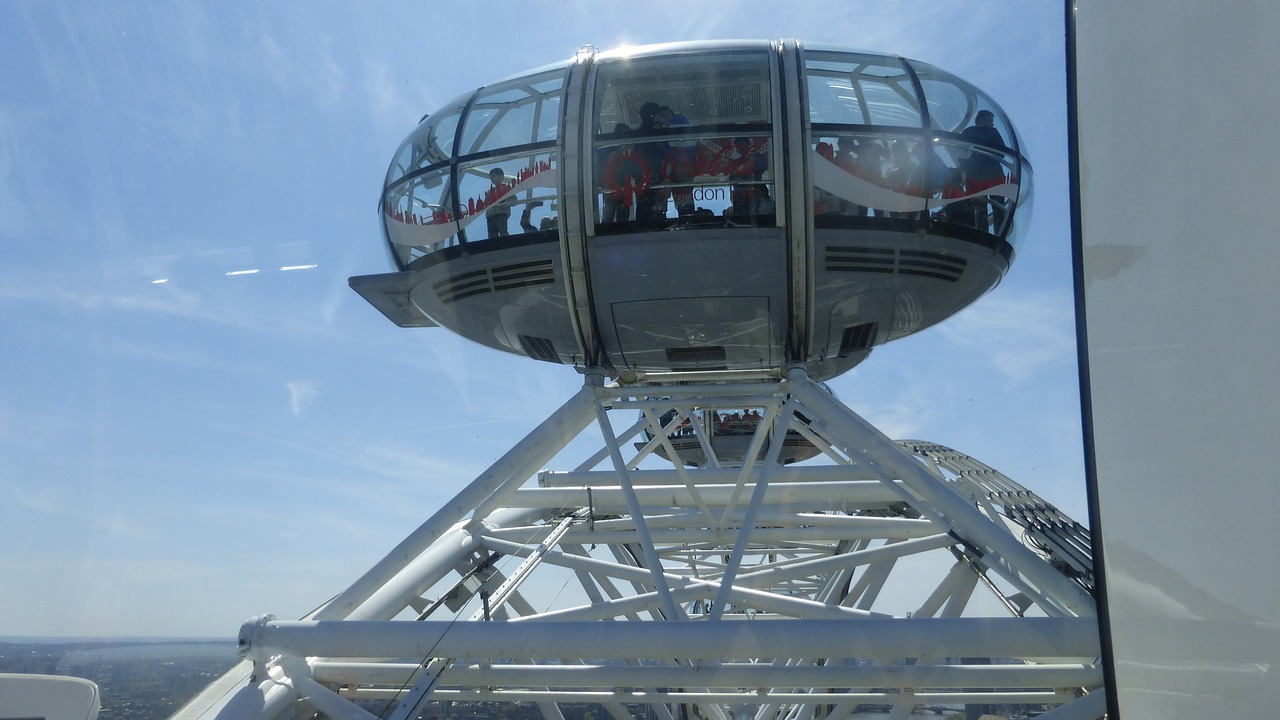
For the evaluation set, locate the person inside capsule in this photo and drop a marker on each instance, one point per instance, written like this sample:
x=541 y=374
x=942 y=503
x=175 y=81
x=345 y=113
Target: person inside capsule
x=498 y=214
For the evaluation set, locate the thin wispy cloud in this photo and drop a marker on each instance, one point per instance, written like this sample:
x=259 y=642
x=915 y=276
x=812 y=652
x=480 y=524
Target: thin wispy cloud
x=301 y=394
x=1019 y=333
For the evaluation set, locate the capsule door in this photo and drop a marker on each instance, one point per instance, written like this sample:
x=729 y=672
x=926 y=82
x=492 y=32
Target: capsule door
x=685 y=256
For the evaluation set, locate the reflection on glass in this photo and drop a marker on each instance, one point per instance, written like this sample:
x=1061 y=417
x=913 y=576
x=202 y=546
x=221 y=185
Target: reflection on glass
x=683 y=141
x=854 y=89
x=421 y=216
x=957 y=182
x=958 y=164
x=520 y=112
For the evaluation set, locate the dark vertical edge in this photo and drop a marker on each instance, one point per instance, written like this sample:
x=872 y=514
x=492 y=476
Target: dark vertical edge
x=1082 y=359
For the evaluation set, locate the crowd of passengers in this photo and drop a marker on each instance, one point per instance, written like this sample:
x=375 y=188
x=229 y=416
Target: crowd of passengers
x=905 y=167
x=498 y=215
x=638 y=180
x=736 y=422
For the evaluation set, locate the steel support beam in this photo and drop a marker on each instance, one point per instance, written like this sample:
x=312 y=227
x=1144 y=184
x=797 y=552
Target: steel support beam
x=1009 y=557
x=264 y=638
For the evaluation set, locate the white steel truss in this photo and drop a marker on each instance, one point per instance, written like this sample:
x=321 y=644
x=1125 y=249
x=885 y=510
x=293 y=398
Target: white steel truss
x=875 y=575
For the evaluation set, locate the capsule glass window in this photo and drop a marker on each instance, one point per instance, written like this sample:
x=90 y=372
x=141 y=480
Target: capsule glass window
x=418 y=216
x=509 y=196
x=683 y=141
x=856 y=89
x=514 y=113
x=430 y=144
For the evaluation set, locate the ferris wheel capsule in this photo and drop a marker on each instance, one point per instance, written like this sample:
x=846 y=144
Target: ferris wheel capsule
x=710 y=210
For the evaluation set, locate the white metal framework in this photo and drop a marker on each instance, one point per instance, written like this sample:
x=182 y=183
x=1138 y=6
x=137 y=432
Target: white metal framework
x=733 y=589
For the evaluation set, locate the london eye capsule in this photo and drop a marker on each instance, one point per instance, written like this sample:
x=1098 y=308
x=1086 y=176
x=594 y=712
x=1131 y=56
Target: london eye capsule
x=703 y=210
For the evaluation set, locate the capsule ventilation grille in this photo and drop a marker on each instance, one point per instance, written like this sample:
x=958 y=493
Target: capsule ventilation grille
x=702 y=354
x=857 y=337
x=495 y=279
x=922 y=263
x=539 y=348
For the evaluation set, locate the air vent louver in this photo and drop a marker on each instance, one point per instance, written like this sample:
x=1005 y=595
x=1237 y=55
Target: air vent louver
x=539 y=348
x=710 y=353
x=496 y=279
x=857 y=337
x=921 y=263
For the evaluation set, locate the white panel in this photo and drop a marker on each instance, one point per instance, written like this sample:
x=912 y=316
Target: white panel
x=1179 y=174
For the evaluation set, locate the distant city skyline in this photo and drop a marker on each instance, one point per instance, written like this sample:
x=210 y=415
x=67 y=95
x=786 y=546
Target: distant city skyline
x=202 y=422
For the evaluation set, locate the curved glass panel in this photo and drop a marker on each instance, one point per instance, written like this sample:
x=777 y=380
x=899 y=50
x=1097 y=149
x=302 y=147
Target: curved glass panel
x=857 y=89
x=430 y=143
x=496 y=197
x=1020 y=221
x=518 y=112
x=948 y=179
x=683 y=141
x=501 y=197
x=954 y=104
x=959 y=171
x=950 y=106
x=865 y=173
x=407 y=156
x=418 y=216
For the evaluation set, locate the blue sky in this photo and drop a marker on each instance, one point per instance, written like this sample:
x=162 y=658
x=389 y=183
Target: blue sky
x=177 y=457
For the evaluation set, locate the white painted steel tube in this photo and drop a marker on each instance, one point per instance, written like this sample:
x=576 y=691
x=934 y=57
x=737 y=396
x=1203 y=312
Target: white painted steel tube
x=522 y=460
x=651 y=560
x=950 y=584
x=681 y=589
x=750 y=696
x=908 y=529
x=806 y=568
x=887 y=638
x=758 y=494
x=786 y=606
x=938 y=677
x=704 y=475
x=270 y=698
x=809 y=496
x=840 y=526
x=324 y=700
x=428 y=568
x=425 y=570
x=695 y=394
x=1021 y=566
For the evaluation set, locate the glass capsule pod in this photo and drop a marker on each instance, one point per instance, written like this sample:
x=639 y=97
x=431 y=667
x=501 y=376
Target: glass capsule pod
x=723 y=437
x=712 y=209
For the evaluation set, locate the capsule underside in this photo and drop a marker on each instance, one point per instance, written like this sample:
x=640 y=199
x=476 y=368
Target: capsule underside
x=712 y=208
